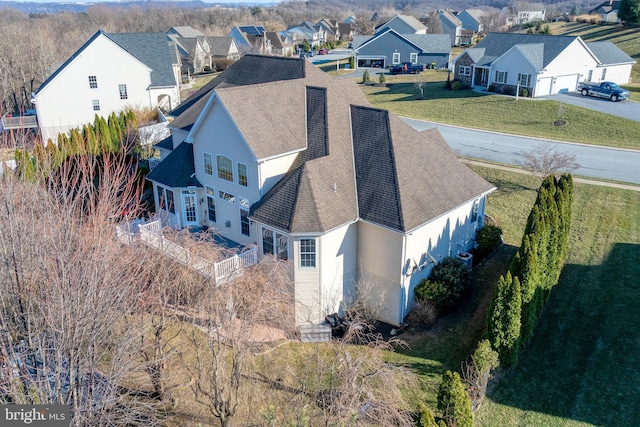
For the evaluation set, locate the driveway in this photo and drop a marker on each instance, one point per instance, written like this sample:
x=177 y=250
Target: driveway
x=626 y=109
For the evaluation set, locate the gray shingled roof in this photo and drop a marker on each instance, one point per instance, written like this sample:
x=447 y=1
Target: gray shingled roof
x=220 y=46
x=534 y=52
x=177 y=169
x=609 y=54
x=496 y=44
x=186 y=31
x=166 y=143
x=153 y=50
x=431 y=43
x=403 y=178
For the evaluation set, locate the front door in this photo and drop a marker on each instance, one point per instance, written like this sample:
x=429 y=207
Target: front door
x=190 y=208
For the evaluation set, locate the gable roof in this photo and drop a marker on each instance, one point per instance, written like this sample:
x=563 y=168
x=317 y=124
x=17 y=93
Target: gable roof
x=220 y=46
x=609 y=54
x=185 y=31
x=151 y=49
x=353 y=161
x=277 y=41
x=496 y=44
x=177 y=170
x=449 y=17
x=407 y=19
x=607 y=7
x=241 y=39
x=253 y=69
x=427 y=43
x=530 y=7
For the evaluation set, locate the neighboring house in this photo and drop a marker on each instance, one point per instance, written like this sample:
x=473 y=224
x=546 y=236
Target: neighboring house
x=542 y=64
x=350 y=196
x=346 y=31
x=223 y=48
x=330 y=28
x=608 y=11
x=403 y=24
x=194 y=53
x=471 y=19
x=388 y=47
x=451 y=25
x=315 y=35
x=280 y=45
x=529 y=12
x=255 y=36
x=241 y=41
x=109 y=73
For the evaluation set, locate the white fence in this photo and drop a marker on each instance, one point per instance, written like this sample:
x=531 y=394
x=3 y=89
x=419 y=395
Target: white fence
x=222 y=272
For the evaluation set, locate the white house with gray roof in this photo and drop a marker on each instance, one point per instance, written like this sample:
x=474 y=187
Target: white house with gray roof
x=542 y=64
x=403 y=24
x=109 y=73
x=349 y=196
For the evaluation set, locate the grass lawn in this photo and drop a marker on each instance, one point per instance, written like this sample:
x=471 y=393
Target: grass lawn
x=580 y=368
x=500 y=113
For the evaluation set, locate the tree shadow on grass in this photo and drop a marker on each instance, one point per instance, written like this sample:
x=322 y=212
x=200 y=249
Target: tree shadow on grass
x=582 y=361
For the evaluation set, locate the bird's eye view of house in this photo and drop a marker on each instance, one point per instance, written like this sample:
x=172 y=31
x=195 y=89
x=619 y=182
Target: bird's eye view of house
x=109 y=73
x=276 y=154
x=542 y=64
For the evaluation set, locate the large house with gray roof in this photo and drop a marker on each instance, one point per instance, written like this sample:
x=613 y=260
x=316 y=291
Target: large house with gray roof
x=542 y=64
x=109 y=73
x=350 y=196
x=388 y=47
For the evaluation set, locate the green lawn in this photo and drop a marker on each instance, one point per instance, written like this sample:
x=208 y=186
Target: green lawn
x=524 y=116
x=580 y=367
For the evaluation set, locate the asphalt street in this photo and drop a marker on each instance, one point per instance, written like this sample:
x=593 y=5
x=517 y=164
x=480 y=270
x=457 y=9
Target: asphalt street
x=595 y=161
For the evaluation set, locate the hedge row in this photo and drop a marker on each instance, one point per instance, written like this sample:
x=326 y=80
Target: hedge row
x=101 y=136
x=523 y=293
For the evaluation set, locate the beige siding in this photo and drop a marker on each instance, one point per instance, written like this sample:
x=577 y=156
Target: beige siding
x=380 y=264
x=338 y=261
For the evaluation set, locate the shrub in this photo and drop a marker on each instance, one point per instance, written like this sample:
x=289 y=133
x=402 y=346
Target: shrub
x=352 y=62
x=492 y=88
x=524 y=92
x=446 y=284
x=456 y=85
x=425 y=417
x=509 y=90
x=423 y=314
x=489 y=239
x=366 y=77
x=382 y=79
x=454 y=402
x=477 y=372
x=503 y=319
x=207 y=69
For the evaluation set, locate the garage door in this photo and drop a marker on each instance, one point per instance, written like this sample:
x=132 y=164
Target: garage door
x=564 y=84
x=543 y=87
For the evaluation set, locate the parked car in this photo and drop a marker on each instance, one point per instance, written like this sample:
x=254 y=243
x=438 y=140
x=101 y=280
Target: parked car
x=323 y=51
x=607 y=90
x=406 y=68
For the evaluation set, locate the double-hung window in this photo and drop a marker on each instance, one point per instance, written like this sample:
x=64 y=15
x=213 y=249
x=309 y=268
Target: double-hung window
x=274 y=243
x=165 y=199
x=307 y=253
x=501 y=76
x=244 y=222
x=225 y=168
x=524 y=79
x=464 y=70
x=211 y=204
x=96 y=104
x=123 y=91
x=208 y=163
x=604 y=74
x=242 y=174
x=396 y=58
x=413 y=57
x=93 y=82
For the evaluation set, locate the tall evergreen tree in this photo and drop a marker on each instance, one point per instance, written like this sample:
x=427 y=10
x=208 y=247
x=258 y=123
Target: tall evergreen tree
x=629 y=11
x=503 y=319
x=454 y=401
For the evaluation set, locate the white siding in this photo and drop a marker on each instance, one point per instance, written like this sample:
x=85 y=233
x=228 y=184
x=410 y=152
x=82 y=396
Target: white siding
x=338 y=263
x=307 y=288
x=380 y=262
x=620 y=74
x=167 y=98
x=514 y=63
x=571 y=66
x=446 y=236
x=66 y=101
x=177 y=136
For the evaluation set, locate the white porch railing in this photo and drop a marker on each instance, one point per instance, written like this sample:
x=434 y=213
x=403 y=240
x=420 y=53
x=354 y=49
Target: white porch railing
x=19 y=122
x=222 y=272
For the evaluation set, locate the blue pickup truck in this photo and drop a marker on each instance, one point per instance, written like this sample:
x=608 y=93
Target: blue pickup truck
x=406 y=68
x=607 y=90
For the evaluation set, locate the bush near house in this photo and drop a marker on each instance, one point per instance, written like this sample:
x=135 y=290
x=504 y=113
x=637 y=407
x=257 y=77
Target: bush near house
x=489 y=238
x=445 y=286
x=222 y=64
x=454 y=402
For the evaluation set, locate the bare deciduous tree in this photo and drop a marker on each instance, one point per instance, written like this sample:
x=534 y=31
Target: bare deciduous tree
x=545 y=159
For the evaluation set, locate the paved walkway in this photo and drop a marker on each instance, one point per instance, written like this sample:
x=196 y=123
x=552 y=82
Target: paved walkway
x=575 y=179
